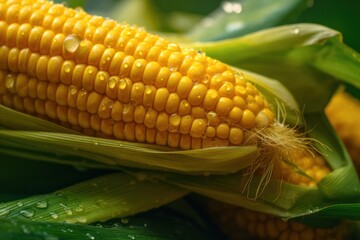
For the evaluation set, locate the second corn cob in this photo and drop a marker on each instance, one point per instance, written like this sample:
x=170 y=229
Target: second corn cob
x=343 y=112
x=240 y=223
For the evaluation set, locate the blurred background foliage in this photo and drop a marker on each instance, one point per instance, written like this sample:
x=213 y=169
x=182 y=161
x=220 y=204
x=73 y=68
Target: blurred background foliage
x=339 y=15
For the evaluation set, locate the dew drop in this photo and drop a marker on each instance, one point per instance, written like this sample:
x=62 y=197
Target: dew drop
x=10 y=81
x=101 y=76
x=131 y=236
x=54 y=215
x=67 y=68
x=122 y=84
x=68 y=211
x=148 y=90
x=73 y=90
x=90 y=236
x=116 y=225
x=112 y=83
x=138 y=64
x=72 y=42
x=231 y=7
x=27 y=213
x=211 y=115
x=83 y=92
x=295 y=31
x=82 y=220
x=103 y=107
x=79 y=208
x=41 y=204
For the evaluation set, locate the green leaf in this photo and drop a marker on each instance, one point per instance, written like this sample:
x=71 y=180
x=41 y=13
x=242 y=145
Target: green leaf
x=237 y=18
x=106 y=197
x=341 y=186
x=73 y=3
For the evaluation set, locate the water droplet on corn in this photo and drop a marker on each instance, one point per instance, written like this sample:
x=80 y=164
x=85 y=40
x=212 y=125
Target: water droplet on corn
x=72 y=43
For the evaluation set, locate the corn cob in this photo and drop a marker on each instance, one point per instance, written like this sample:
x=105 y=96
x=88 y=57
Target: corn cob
x=115 y=80
x=343 y=112
x=241 y=223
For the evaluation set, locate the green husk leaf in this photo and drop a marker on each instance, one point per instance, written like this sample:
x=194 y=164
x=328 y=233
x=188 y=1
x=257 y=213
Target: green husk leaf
x=99 y=199
x=12 y=119
x=341 y=186
x=154 y=225
x=114 y=153
x=50 y=142
x=306 y=58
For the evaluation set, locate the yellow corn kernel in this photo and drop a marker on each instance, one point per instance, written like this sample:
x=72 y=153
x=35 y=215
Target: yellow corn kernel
x=95 y=75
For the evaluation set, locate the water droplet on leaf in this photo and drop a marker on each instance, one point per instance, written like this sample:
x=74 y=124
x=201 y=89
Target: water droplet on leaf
x=27 y=213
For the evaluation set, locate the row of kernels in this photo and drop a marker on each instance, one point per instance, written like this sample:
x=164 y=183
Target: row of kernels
x=130 y=131
x=127 y=92
x=106 y=107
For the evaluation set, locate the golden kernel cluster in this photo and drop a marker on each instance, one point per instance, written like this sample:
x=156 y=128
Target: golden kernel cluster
x=116 y=80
